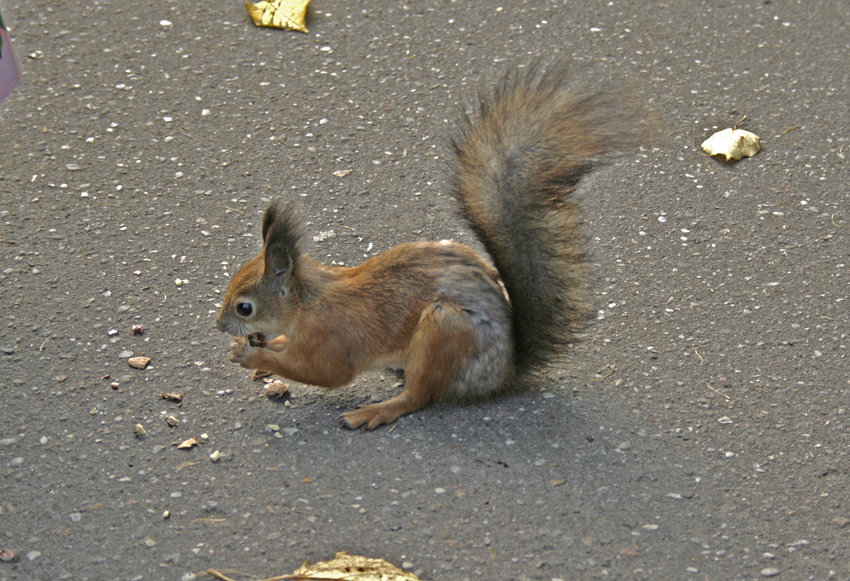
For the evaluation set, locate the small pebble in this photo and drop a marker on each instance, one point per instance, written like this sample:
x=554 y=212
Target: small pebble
x=769 y=572
x=841 y=521
x=215 y=456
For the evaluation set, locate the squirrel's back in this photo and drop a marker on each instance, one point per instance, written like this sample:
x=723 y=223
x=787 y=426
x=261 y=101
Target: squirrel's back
x=518 y=159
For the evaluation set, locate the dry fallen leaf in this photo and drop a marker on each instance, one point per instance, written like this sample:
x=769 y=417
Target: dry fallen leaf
x=345 y=567
x=285 y=14
x=139 y=362
x=276 y=389
x=175 y=397
x=186 y=444
x=732 y=144
x=260 y=374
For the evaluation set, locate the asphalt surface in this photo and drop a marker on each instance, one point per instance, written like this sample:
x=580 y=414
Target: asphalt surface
x=699 y=431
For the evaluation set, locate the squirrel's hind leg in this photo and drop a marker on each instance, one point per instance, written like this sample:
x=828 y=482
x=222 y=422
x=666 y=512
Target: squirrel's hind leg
x=444 y=341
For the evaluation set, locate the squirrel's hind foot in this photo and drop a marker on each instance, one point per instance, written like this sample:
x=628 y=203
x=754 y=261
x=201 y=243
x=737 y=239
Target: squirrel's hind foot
x=372 y=416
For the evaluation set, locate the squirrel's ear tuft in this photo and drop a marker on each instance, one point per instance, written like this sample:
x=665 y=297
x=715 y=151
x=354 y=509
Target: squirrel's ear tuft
x=281 y=242
x=280 y=219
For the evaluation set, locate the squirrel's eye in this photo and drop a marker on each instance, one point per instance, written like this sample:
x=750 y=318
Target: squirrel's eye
x=244 y=309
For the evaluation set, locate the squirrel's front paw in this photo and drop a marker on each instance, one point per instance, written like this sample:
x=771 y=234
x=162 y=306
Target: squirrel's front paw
x=243 y=353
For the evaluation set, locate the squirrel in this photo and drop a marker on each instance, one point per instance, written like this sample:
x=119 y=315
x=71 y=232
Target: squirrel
x=457 y=325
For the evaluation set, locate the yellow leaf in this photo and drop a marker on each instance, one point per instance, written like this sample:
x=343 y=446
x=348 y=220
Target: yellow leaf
x=732 y=144
x=345 y=567
x=186 y=444
x=285 y=14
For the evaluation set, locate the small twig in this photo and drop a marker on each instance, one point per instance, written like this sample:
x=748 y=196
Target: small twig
x=696 y=350
x=832 y=219
x=609 y=372
x=208 y=520
x=229 y=208
x=741 y=120
x=218 y=575
x=789 y=130
x=45 y=342
x=708 y=385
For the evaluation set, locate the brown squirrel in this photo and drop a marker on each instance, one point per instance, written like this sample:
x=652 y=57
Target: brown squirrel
x=456 y=325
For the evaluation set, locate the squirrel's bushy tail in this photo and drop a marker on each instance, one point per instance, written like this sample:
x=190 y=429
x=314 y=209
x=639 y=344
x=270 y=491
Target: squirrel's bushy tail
x=518 y=159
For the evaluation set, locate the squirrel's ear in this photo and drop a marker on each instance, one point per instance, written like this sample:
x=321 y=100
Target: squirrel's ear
x=278 y=268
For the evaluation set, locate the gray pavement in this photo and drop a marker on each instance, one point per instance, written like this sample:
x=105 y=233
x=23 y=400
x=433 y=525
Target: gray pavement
x=699 y=431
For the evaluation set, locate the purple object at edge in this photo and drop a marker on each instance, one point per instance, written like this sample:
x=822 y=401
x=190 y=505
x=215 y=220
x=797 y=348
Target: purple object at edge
x=10 y=64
